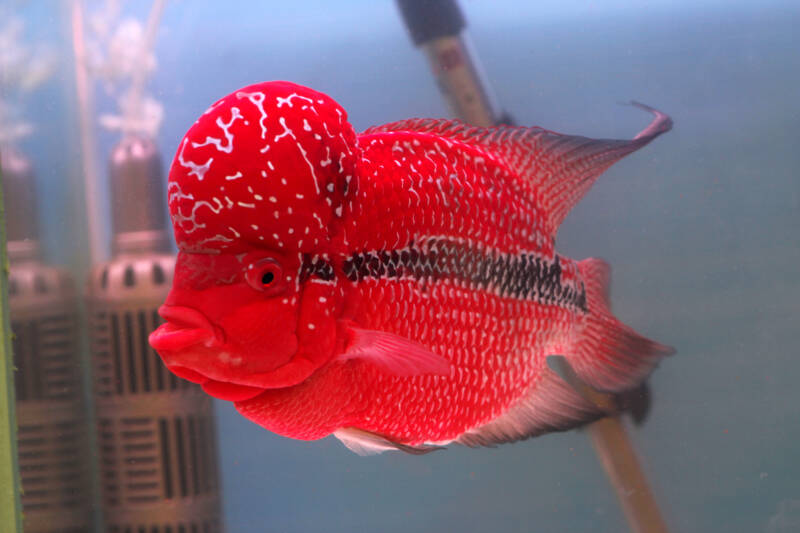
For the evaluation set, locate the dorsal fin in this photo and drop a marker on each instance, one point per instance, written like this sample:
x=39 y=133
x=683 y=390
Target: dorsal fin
x=561 y=168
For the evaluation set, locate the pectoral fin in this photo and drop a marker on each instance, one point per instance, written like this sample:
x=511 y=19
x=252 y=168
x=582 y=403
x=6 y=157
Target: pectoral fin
x=393 y=354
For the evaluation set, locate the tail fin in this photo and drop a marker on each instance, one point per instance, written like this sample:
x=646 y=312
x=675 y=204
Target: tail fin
x=610 y=356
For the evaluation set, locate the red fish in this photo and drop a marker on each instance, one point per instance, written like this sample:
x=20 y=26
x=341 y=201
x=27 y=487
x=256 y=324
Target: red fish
x=397 y=288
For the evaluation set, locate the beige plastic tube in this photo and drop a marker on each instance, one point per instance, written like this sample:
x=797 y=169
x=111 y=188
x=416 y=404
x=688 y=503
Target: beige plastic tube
x=619 y=460
x=617 y=455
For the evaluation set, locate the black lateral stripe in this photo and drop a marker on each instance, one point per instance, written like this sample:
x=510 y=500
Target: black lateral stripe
x=526 y=276
x=317 y=267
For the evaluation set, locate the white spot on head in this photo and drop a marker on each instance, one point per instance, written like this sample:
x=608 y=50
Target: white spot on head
x=225 y=127
x=288 y=100
x=194 y=168
x=303 y=152
x=257 y=99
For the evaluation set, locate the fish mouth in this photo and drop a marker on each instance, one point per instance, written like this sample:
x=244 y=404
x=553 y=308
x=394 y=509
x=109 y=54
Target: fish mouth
x=187 y=329
x=184 y=328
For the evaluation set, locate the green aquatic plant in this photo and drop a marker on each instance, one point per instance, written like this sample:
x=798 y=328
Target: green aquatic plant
x=10 y=507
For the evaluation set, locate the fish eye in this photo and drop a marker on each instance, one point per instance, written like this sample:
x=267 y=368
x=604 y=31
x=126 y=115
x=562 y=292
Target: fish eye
x=265 y=275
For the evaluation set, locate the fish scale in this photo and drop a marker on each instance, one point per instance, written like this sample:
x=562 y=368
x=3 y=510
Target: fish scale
x=506 y=376
x=399 y=289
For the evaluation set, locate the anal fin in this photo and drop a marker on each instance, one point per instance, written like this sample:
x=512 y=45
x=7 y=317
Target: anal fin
x=635 y=402
x=550 y=405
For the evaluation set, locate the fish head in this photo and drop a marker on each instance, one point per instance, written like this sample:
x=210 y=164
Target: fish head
x=257 y=193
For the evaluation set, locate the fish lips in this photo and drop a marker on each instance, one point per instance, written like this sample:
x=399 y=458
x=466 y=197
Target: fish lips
x=186 y=331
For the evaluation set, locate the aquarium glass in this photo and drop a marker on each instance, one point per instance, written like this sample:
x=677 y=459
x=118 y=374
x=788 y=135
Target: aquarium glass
x=700 y=229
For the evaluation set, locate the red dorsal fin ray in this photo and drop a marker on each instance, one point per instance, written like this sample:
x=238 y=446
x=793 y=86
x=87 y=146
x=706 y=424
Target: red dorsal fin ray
x=394 y=354
x=560 y=168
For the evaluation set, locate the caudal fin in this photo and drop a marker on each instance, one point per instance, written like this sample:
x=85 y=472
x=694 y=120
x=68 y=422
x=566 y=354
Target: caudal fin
x=610 y=356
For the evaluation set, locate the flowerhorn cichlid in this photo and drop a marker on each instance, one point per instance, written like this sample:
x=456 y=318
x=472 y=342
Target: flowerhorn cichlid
x=397 y=288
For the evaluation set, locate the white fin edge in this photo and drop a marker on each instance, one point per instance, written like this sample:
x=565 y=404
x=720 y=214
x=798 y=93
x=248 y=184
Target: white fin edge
x=367 y=443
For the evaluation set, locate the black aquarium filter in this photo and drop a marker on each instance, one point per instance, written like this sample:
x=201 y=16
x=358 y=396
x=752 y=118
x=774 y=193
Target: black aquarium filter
x=156 y=435
x=51 y=413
